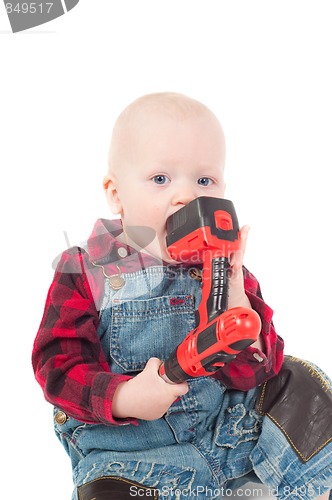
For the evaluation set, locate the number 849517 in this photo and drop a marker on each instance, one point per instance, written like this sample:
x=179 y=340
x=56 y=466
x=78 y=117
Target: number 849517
x=29 y=8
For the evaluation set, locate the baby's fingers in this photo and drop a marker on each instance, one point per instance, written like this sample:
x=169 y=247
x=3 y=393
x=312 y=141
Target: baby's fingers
x=180 y=389
x=236 y=260
x=244 y=231
x=153 y=366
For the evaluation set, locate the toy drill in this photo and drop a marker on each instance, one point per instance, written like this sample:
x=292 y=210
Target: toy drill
x=207 y=231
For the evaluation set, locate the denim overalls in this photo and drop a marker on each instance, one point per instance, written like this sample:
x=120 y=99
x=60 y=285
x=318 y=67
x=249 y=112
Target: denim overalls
x=211 y=439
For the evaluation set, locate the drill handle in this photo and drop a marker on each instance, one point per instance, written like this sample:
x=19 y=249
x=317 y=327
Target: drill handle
x=215 y=281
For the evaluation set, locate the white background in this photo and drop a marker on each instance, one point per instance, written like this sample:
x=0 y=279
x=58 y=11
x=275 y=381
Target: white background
x=264 y=67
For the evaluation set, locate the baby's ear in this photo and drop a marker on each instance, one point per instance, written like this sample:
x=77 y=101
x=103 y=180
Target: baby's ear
x=109 y=184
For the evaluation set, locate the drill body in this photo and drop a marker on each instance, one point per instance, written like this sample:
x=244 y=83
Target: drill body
x=206 y=231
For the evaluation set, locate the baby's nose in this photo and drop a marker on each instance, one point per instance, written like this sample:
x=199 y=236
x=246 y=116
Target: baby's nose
x=183 y=196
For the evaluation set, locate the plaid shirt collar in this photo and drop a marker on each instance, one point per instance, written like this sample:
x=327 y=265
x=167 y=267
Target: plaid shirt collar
x=104 y=247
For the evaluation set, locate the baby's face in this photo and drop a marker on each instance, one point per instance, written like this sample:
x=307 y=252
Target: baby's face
x=171 y=163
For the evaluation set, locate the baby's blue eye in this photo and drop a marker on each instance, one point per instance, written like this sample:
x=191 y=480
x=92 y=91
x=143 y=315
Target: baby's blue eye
x=204 y=181
x=160 y=179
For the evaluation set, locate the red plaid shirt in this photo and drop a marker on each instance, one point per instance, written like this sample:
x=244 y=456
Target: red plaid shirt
x=68 y=359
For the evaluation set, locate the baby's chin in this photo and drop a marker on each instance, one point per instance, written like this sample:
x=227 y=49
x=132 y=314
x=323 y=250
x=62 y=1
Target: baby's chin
x=165 y=256
x=161 y=248
x=168 y=260
x=159 y=252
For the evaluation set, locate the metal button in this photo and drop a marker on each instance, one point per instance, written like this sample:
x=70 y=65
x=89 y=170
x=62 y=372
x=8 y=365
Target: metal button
x=60 y=417
x=116 y=281
x=122 y=252
x=195 y=274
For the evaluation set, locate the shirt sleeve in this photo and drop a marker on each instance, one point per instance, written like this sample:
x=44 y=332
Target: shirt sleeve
x=67 y=359
x=252 y=367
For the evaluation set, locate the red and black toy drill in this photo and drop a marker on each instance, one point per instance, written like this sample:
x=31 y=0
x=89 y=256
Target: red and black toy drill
x=207 y=231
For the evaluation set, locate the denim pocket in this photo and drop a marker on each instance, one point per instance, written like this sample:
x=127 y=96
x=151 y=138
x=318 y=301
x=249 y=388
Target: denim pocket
x=68 y=433
x=141 y=329
x=239 y=425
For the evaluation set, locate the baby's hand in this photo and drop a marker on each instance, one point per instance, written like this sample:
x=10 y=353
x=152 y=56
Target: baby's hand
x=146 y=396
x=237 y=296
